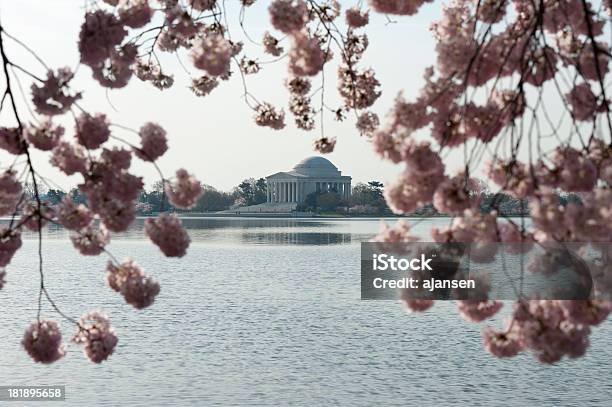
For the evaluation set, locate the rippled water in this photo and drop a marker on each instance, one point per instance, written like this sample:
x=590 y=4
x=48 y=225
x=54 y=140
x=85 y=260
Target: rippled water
x=267 y=312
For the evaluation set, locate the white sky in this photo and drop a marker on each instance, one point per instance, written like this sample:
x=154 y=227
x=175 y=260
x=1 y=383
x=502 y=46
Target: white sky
x=215 y=137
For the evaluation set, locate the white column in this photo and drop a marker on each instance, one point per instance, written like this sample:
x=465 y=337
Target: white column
x=295 y=192
x=292 y=187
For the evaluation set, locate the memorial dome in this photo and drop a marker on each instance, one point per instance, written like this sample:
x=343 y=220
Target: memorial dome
x=316 y=167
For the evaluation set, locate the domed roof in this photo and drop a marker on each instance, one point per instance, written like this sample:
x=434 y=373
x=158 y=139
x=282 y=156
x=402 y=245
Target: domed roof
x=316 y=166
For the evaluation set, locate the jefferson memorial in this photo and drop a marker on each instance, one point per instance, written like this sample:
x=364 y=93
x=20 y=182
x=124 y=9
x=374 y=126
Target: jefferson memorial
x=313 y=174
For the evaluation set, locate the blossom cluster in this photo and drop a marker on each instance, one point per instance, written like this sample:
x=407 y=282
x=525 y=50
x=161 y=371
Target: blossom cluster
x=485 y=49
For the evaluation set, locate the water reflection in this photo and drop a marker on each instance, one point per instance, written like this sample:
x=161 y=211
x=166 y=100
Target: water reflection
x=299 y=238
x=261 y=231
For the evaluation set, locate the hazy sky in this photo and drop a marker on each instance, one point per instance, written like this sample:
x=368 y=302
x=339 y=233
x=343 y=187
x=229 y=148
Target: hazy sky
x=215 y=137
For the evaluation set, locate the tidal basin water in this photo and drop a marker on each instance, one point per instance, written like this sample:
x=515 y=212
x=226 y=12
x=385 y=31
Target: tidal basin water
x=266 y=312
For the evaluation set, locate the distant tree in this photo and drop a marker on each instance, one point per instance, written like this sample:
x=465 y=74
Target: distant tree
x=213 y=200
x=252 y=192
x=261 y=191
x=55 y=196
x=156 y=198
x=329 y=201
x=77 y=196
x=369 y=195
x=310 y=202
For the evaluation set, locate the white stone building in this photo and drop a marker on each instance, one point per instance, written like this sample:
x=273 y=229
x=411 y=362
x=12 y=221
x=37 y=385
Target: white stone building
x=313 y=174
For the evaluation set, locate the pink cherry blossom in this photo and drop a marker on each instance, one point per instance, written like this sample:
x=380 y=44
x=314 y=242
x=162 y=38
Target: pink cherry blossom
x=516 y=241
x=10 y=242
x=135 y=13
x=104 y=182
x=510 y=103
x=167 y=232
x=492 y=11
x=92 y=131
x=44 y=136
x=590 y=66
x=456 y=194
x=11 y=140
x=34 y=217
x=575 y=171
x=212 y=54
x=478 y=311
x=73 y=217
x=359 y=90
x=43 y=341
x=267 y=116
x=10 y=192
x=117 y=215
x=288 y=16
x=69 y=158
x=151 y=72
x=399 y=233
x=116 y=70
x=306 y=57
x=408 y=116
x=129 y=280
x=590 y=222
x=482 y=122
x=420 y=158
x=271 y=45
x=448 y=129
x=399 y=7
x=100 y=33
x=117 y=158
x=356 y=18
x=547 y=213
x=513 y=177
x=417 y=305
x=544 y=328
x=98 y=336
x=325 y=145
x=298 y=85
x=502 y=344
x=185 y=191
x=411 y=191
x=583 y=102
x=90 y=242
x=386 y=146
x=153 y=142
x=203 y=85
x=53 y=96
x=588 y=312
x=367 y=123
x=203 y=5
x=543 y=66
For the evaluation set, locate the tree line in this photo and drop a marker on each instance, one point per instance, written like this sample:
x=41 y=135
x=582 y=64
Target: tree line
x=364 y=199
